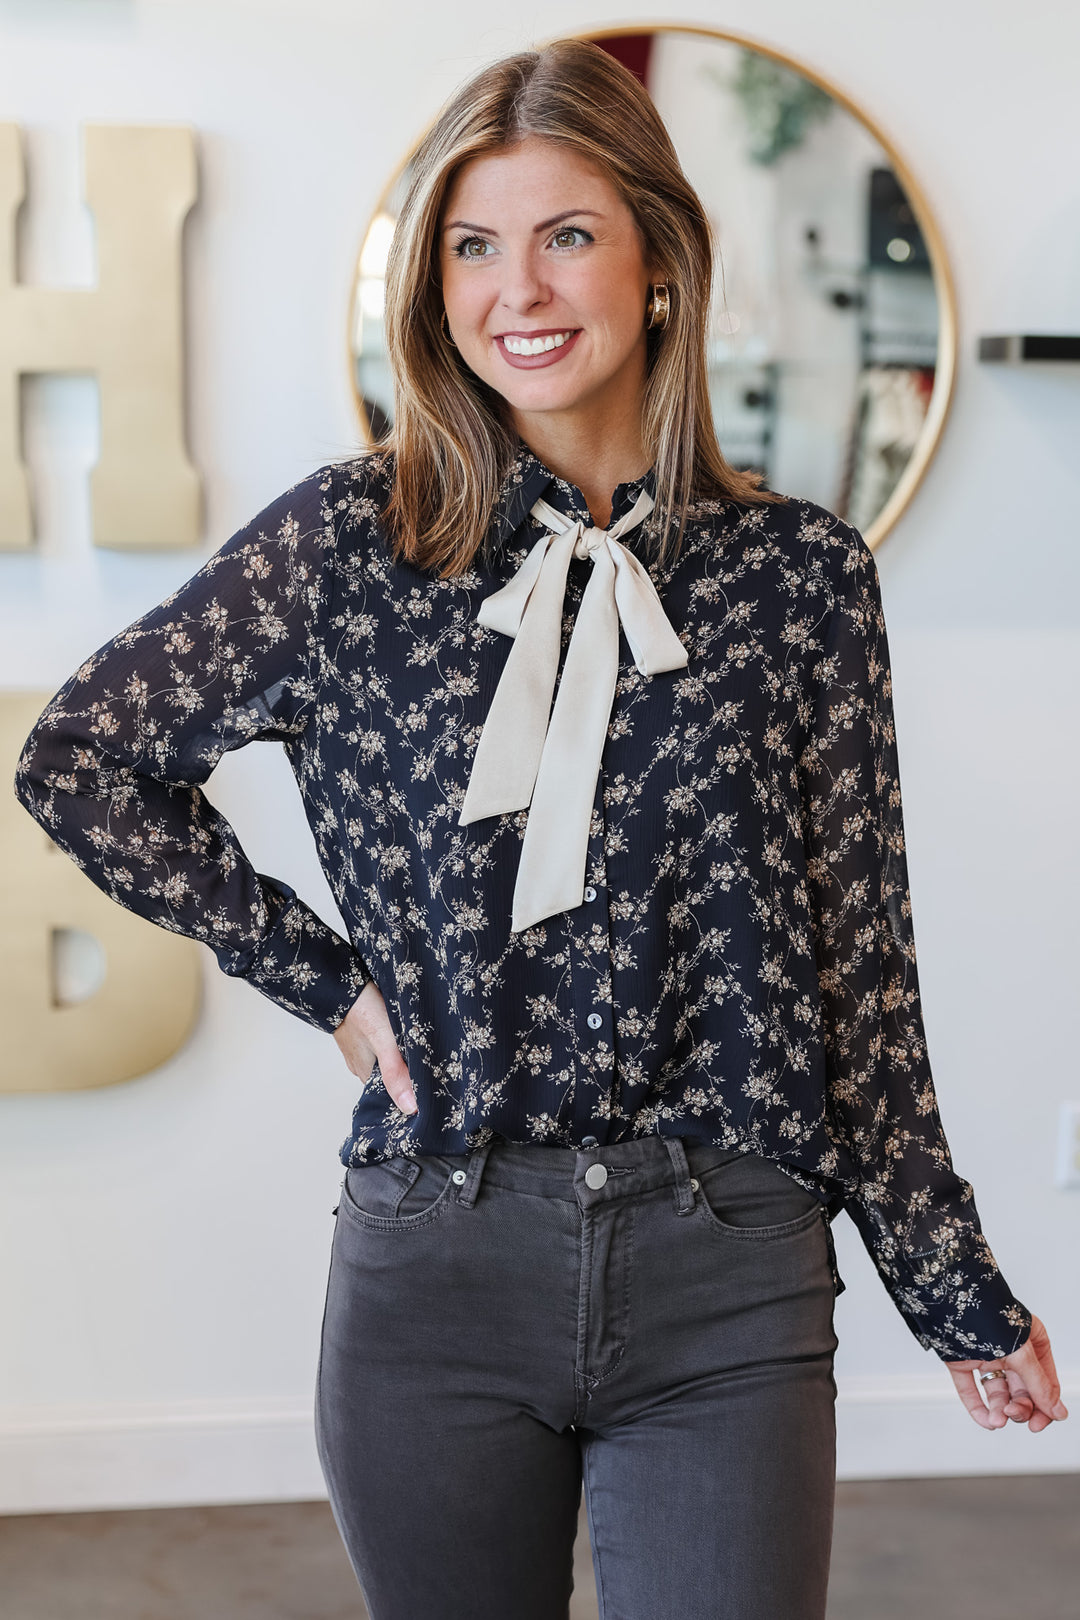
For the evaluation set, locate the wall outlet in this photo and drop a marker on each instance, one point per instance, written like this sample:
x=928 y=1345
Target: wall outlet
x=1068 y=1159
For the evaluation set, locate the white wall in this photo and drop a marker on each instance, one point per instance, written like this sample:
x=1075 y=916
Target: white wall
x=163 y=1245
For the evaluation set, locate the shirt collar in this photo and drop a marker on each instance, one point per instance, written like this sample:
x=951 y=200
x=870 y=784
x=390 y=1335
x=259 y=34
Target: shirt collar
x=528 y=479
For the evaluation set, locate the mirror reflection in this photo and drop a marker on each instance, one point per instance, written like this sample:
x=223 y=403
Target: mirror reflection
x=831 y=331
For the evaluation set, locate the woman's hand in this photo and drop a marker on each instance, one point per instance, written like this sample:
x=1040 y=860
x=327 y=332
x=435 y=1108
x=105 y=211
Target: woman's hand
x=1029 y=1393
x=363 y=1035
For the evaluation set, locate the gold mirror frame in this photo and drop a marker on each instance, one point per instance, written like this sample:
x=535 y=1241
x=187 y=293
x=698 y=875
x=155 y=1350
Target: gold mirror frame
x=945 y=364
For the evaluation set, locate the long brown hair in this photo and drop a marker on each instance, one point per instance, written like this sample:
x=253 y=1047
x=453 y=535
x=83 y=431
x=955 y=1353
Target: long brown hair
x=452 y=443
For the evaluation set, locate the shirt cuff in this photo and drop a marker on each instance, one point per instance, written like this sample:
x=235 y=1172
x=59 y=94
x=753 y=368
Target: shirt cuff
x=957 y=1303
x=302 y=964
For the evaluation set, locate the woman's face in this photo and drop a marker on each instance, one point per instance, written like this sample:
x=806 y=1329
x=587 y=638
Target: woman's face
x=536 y=244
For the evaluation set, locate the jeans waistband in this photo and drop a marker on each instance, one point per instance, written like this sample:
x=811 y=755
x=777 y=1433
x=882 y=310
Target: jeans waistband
x=630 y=1167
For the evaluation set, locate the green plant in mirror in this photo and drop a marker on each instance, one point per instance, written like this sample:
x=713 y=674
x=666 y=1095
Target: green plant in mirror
x=779 y=106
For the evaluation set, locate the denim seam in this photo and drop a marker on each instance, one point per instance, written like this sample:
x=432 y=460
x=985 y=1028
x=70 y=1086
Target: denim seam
x=544 y=1197
x=399 y=1223
x=756 y=1234
x=594 y=1379
x=597 y=1567
x=317 y=1424
x=839 y=1285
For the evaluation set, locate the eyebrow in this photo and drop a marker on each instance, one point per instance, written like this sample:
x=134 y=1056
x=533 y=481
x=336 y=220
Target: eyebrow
x=486 y=230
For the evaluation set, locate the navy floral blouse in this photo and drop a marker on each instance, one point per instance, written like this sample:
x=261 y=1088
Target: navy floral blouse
x=742 y=968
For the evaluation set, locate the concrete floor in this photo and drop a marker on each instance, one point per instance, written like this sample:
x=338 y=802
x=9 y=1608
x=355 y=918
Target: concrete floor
x=942 y=1549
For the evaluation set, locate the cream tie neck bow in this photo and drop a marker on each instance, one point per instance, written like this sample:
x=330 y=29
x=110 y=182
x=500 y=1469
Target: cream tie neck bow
x=521 y=757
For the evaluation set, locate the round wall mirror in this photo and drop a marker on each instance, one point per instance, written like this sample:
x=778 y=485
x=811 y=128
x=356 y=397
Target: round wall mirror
x=832 y=334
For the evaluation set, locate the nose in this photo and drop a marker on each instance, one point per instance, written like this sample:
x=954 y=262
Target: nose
x=523 y=286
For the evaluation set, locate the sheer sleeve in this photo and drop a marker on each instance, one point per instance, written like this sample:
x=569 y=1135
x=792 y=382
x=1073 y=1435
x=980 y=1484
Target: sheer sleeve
x=113 y=766
x=915 y=1215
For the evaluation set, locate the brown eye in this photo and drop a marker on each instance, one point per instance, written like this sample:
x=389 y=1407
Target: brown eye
x=463 y=249
x=569 y=237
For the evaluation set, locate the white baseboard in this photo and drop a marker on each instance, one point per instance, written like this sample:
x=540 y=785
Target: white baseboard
x=182 y=1454
x=916 y=1427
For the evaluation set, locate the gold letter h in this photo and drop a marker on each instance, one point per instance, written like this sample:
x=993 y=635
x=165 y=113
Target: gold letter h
x=140 y=183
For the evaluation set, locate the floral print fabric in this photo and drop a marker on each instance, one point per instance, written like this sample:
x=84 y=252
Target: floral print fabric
x=742 y=970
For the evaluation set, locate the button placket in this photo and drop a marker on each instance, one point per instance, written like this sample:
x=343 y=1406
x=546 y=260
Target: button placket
x=590 y=959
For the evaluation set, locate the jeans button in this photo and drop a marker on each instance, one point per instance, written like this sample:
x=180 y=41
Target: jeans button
x=458 y=1176
x=595 y=1176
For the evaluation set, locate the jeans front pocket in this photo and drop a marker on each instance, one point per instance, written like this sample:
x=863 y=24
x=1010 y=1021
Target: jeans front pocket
x=402 y=1192
x=750 y=1198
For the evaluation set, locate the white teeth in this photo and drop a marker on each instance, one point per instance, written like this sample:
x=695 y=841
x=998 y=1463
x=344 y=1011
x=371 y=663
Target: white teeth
x=538 y=345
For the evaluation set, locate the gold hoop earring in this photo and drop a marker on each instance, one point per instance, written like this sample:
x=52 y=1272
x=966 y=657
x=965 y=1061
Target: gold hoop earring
x=446 y=331
x=658 y=309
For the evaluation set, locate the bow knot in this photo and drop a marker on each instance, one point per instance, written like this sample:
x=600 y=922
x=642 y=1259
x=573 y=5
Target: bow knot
x=588 y=541
x=551 y=765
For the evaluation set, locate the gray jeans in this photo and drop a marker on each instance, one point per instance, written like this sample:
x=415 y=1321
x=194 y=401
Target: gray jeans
x=500 y=1329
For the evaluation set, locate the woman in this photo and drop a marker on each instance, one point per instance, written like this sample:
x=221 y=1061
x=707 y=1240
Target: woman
x=631 y=981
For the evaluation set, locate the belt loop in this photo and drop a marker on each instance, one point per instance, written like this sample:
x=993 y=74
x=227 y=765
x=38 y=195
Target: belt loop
x=683 y=1189
x=471 y=1184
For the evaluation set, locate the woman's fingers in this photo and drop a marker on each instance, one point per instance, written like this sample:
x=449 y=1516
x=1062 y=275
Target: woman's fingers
x=1034 y=1361
x=395 y=1076
x=997 y=1395
x=1018 y=1405
x=364 y=1036
x=1029 y=1392
x=1007 y=1399
x=994 y=1403
x=961 y=1373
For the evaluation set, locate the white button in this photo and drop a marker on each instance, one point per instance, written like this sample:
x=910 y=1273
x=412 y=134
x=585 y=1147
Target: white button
x=594 y=1020
x=695 y=1183
x=590 y=893
x=595 y=1175
x=458 y=1176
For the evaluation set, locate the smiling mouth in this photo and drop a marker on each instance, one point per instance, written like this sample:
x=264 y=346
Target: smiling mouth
x=543 y=343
